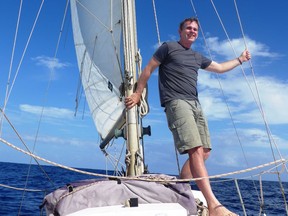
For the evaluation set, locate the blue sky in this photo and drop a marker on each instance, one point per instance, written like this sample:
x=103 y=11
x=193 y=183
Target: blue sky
x=45 y=82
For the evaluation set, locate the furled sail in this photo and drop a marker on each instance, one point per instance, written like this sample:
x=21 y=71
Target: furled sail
x=97 y=33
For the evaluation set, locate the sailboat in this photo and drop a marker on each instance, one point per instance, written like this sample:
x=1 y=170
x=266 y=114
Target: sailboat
x=101 y=35
x=97 y=28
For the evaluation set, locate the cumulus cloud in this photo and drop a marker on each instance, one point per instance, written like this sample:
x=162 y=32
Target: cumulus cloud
x=49 y=62
x=233 y=47
x=252 y=147
x=245 y=95
x=242 y=101
x=54 y=140
x=52 y=64
x=53 y=112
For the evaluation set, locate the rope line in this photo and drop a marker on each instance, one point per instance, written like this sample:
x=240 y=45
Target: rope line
x=280 y=161
x=21 y=189
x=156 y=22
x=27 y=148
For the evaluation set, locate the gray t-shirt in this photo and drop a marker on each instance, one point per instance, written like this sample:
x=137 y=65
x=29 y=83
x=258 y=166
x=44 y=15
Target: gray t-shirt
x=178 y=71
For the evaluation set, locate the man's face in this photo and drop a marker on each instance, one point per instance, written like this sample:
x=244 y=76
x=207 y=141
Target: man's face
x=189 y=32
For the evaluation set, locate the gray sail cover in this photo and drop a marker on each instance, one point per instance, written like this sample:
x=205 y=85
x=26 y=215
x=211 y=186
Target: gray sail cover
x=100 y=193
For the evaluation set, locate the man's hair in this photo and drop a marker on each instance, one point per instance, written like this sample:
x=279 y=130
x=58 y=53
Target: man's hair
x=191 y=19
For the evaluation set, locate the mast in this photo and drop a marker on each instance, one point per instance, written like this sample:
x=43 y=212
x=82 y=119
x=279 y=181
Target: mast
x=134 y=166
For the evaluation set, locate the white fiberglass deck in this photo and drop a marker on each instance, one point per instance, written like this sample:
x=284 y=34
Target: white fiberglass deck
x=153 y=209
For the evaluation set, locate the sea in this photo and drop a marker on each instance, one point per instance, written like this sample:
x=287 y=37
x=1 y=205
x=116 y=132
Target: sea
x=15 y=201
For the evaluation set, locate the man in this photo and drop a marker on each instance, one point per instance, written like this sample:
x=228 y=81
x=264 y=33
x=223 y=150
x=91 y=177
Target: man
x=178 y=69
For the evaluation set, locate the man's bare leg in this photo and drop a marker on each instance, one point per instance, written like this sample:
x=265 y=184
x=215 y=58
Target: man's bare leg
x=198 y=169
x=186 y=171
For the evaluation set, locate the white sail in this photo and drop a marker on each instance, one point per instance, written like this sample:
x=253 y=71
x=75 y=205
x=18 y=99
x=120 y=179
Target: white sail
x=97 y=33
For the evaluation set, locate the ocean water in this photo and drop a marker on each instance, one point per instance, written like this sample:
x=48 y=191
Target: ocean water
x=16 y=202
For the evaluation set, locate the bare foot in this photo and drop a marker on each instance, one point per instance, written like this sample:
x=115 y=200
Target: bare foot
x=220 y=210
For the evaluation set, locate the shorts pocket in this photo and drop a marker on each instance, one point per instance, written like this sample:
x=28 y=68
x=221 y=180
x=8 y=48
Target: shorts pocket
x=172 y=114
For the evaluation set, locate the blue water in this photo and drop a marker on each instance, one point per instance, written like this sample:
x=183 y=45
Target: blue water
x=13 y=174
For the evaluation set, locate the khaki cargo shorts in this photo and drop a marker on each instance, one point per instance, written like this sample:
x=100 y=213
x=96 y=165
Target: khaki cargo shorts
x=187 y=124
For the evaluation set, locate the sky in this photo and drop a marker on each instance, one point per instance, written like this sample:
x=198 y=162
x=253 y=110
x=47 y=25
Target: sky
x=47 y=82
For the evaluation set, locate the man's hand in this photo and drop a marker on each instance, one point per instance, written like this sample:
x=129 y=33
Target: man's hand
x=132 y=100
x=245 y=56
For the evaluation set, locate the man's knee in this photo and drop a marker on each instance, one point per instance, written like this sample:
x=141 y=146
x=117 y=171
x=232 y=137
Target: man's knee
x=206 y=153
x=200 y=151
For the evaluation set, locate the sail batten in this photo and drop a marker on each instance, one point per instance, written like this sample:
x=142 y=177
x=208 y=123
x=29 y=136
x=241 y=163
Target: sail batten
x=97 y=42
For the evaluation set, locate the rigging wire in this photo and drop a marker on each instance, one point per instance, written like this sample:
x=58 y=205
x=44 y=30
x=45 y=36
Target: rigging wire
x=219 y=81
x=240 y=24
x=215 y=9
x=233 y=122
x=263 y=114
x=157 y=32
x=230 y=113
x=226 y=103
x=16 y=74
x=11 y=62
x=17 y=71
x=115 y=161
x=220 y=84
x=48 y=87
x=258 y=102
x=260 y=107
x=159 y=43
x=23 y=54
x=257 y=91
x=9 y=90
x=222 y=91
x=27 y=148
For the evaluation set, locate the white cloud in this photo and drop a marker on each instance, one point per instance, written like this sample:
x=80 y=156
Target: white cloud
x=50 y=62
x=242 y=93
x=258 y=138
x=272 y=93
x=53 y=112
x=253 y=149
x=252 y=140
x=226 y=48
x=54 y=140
